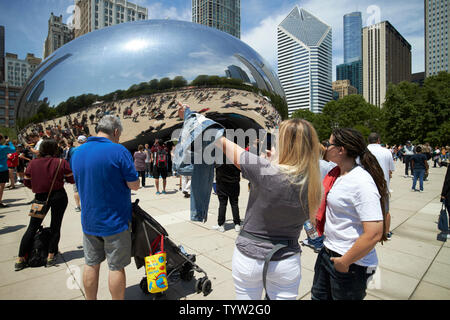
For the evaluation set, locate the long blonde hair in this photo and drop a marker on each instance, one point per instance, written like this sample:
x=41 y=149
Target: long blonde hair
x=298 y=156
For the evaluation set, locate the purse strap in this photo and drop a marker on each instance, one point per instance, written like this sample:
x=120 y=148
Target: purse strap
x=53 y=182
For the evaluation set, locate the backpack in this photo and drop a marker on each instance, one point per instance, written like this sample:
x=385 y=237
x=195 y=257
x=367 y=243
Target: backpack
x=37 y=257
x=161 y=158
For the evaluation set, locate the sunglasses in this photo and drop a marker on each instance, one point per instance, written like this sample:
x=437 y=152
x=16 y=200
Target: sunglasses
x=328 y=144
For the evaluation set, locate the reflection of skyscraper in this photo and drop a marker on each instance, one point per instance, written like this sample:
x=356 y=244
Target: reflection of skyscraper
x=304 y=61
x=386 y=59
x=258 y=76
x=236 y=72
x=436 y=36
x=224 y=15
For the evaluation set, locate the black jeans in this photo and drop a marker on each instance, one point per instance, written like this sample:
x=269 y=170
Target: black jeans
x=142 y=175
x=330 y=284
x=229 y=191
x=57 y=204
x=407 y=160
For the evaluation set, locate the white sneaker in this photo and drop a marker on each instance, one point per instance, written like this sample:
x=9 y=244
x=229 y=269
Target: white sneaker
x=219 y=228
x=237 y=228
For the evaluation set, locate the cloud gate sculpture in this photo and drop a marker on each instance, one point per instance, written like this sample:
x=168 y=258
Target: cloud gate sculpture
x=138 y=71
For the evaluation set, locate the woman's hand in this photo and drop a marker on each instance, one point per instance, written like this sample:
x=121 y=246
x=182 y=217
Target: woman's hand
x=181 y=109
x=340 y=265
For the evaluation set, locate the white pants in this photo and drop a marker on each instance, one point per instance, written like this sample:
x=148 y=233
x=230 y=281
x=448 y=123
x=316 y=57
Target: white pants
x=186 y=184
x=282 y=281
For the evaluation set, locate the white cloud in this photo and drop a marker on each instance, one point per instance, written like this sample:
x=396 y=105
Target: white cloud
x=158 y=10
x=263 y=38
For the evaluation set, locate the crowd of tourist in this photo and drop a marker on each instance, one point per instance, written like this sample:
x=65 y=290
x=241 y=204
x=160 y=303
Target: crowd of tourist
x=351 y=214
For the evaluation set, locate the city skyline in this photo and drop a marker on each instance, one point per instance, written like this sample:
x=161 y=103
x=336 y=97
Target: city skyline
x=258 y=22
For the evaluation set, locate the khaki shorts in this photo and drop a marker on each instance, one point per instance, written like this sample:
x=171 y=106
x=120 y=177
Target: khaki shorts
x=116 y=249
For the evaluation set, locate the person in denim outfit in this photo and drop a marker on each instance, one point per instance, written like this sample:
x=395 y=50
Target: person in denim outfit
x=188 y=161
x=419 y=165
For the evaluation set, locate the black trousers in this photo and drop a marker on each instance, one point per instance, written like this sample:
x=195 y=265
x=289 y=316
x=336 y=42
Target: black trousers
x=142 y=175
x=57 y=204
x=330 y=284
x=225 y=192
x=407 y=160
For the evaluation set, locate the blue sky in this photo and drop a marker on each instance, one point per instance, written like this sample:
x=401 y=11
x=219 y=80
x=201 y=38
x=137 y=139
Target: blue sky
x=26 y=21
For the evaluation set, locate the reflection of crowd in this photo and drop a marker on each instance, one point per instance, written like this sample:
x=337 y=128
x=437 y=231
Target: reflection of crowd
x=159 y=107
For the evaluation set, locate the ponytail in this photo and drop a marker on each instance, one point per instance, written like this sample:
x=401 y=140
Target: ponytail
x=370 y=163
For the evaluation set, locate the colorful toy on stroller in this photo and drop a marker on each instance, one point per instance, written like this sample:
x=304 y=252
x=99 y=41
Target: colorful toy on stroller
x=147 y=236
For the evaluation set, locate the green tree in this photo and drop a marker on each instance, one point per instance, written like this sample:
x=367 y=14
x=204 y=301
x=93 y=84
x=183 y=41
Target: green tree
x=349 y=112
x=419 y=114
x=164 y=84
x=179 y=82
x=153 y=84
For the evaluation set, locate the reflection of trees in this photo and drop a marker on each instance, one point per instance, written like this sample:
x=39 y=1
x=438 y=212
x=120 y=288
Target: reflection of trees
x=76 y=104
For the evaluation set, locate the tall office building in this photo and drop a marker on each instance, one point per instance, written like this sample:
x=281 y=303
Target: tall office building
x=352 y=37
x=305 y=61
x=386 y=59
x=58 y=35
x=91 y=15
x=436 y=36
x=224 y=15
x=2 y=54
x=351 y=69
x=8 y=97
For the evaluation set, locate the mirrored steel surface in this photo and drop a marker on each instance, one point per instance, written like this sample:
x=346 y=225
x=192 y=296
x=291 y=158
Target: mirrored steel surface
x=132 y=54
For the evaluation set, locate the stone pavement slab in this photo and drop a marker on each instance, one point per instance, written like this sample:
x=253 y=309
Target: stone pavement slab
x=413 y=265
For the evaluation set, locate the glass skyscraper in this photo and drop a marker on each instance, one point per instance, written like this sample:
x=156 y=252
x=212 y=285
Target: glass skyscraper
x=436 y=36
x=351 y=71
x=304 y=61
x=224 y=15
x=352 y=37
x=352 y=67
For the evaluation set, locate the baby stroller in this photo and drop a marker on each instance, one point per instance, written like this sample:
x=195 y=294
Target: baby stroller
x=144 y=230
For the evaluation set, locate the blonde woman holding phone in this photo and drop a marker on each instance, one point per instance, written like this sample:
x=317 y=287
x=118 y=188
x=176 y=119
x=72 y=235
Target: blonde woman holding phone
x=285 y=192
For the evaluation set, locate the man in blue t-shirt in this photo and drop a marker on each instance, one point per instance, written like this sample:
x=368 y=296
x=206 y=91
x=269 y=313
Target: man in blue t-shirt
x=105 y=175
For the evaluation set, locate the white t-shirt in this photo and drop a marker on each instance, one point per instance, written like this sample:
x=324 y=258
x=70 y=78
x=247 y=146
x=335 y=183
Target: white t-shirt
x=37 y=146
x=384 y=158
x=354 y=198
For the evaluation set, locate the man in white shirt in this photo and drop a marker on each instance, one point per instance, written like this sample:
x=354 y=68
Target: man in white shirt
x=408 y=152
x=386 y=163
x=37 y=143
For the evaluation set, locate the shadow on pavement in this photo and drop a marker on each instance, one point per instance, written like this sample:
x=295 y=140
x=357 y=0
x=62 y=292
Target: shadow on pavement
x=73 y=255
x=11 y=229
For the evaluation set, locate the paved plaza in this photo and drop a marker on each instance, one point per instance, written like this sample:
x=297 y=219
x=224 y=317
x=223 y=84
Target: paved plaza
x=413 y=265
